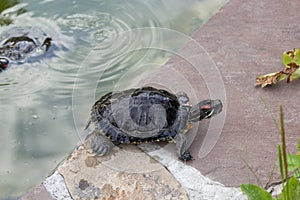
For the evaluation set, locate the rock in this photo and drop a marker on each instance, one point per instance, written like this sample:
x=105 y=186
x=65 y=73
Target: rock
x=126 y=173
x=56 y=187
x=196 y=185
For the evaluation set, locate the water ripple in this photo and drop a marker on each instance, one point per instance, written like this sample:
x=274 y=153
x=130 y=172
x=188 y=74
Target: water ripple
x=97 y=44
x=28 y=79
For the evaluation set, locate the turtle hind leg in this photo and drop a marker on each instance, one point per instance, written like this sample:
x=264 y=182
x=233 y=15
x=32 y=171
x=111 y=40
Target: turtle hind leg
x=182 y=152
x=100 y=144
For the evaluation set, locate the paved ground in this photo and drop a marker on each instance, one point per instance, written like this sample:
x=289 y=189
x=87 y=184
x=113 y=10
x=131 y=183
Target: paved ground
x=244 y=39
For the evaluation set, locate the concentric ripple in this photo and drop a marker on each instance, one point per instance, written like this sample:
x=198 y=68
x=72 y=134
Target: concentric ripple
x=98 y=46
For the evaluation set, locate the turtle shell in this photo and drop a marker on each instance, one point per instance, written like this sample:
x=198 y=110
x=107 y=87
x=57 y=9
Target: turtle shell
x=137 y=115
x=20 y=43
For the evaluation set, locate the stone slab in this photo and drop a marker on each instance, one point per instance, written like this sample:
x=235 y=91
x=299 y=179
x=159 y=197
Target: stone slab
x=196 y=185
x=126 y=173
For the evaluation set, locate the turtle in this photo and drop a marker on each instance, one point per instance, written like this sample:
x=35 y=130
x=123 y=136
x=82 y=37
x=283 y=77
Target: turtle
x=20 y=43
x=146 y=114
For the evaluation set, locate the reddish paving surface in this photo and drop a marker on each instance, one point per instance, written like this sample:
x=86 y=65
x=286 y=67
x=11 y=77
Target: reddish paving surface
x=246 y=39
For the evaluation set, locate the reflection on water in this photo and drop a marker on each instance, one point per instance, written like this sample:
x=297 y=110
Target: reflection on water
x=97 y=45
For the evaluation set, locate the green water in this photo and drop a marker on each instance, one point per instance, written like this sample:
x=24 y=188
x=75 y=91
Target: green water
x=97 y=46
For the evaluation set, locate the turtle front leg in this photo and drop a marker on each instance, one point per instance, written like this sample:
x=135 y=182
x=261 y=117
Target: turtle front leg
x=181 y=146
x=100 y=144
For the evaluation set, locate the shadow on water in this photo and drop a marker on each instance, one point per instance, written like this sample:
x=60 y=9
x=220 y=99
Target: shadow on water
x=90 y=55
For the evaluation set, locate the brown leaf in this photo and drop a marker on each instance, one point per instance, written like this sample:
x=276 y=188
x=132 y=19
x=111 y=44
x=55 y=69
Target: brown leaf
x=268 y=79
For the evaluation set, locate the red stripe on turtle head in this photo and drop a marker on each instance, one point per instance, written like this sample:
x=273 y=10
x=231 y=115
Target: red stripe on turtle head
x=206 y=107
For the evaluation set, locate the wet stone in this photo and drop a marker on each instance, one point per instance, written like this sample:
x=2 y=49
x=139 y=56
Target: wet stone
x=126 y=173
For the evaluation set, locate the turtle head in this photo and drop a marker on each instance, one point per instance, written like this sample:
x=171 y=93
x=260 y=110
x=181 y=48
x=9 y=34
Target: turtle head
x=205 y=109
x=3 y=64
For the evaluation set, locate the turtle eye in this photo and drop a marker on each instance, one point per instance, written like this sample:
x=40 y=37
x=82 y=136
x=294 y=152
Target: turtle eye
x=207 y=111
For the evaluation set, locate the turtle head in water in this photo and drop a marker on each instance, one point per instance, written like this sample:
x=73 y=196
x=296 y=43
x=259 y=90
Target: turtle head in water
x=3 y=63
x=20 y=43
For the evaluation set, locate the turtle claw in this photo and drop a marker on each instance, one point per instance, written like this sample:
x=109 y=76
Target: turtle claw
x=186 y=156
x=101 y=145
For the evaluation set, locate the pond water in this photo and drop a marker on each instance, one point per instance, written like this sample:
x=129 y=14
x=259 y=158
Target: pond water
x=98 y=45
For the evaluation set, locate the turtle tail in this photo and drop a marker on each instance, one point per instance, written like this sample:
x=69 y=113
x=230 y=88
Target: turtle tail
x=88 y=124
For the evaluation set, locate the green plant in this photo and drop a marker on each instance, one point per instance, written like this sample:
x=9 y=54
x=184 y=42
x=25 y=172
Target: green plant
x=287 y=163
x=294 y=162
